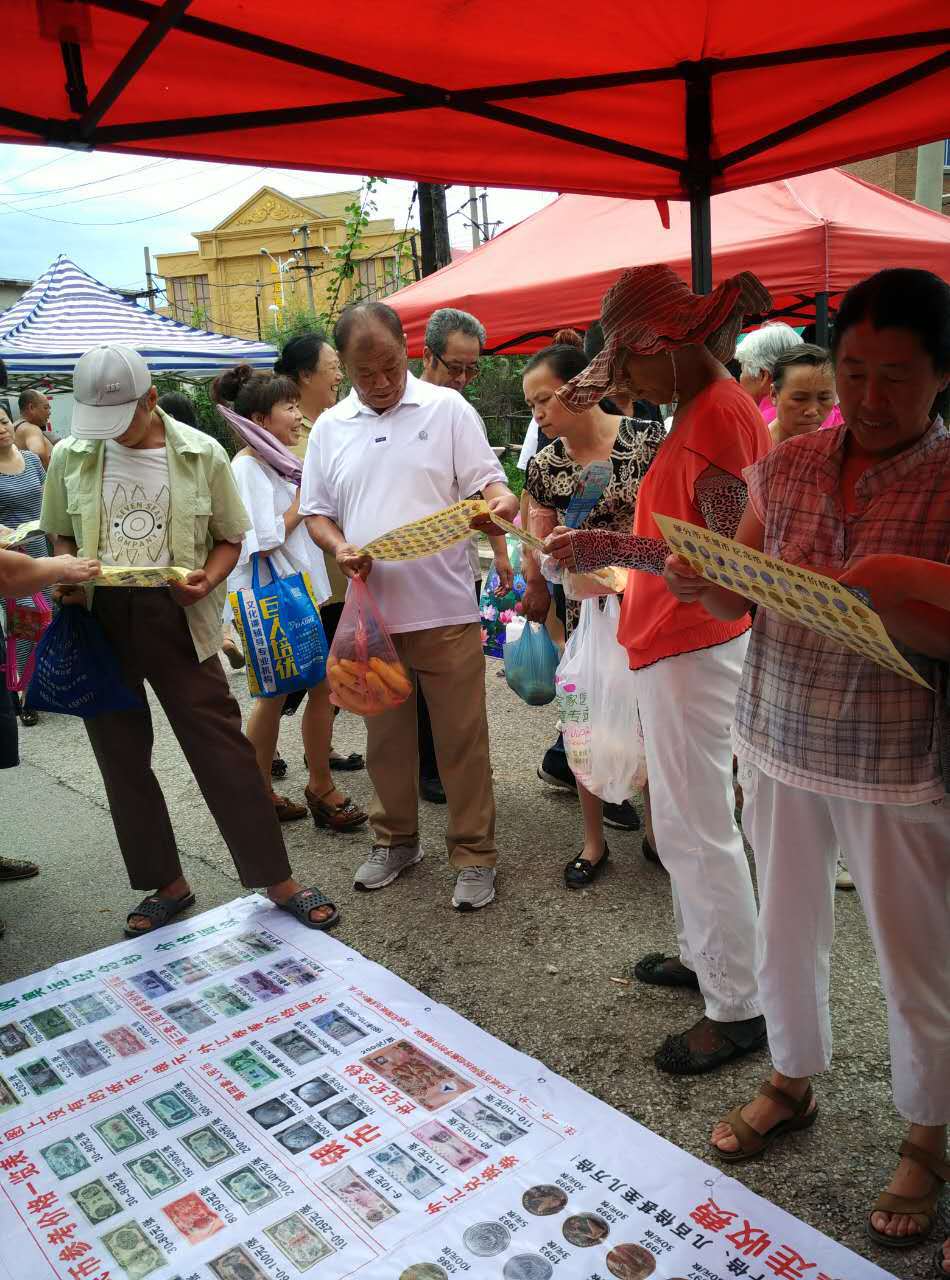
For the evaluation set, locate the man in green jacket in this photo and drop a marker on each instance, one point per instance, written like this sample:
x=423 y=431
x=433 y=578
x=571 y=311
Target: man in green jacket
x=134 y=488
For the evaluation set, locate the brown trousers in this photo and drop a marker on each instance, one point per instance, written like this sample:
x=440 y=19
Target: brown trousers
x=449 y=664
x=149 y=634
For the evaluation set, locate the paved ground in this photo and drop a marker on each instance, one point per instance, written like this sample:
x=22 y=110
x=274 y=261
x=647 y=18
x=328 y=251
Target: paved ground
x=535 y=969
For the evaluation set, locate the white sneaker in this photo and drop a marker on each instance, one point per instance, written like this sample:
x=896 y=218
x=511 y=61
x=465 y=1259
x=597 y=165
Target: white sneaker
x=843 y=876
x=474 y=888
x=384 y=864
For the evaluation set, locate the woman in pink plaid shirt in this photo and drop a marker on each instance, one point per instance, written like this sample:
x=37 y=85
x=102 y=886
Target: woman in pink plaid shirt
x=836 y=750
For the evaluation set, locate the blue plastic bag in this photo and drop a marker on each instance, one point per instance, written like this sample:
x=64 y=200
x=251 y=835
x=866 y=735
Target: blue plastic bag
x=76 y=672
x=530 y=665
x=280 y=628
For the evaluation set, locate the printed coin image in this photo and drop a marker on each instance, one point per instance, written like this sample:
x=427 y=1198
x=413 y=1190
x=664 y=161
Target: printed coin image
x=544 y=1200
x=486 y=1239
x=630 y=1262
x=584 y=1230
x=423 y=1271
x=527 y=1266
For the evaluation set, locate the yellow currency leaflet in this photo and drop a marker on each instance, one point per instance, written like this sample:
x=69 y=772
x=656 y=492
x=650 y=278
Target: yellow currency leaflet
x=798 y=594
x=430 y=535
x=13 y=537
x=135 y=576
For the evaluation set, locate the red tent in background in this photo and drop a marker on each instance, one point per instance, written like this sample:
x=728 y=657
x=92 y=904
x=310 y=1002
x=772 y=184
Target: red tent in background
x=806 y=237
x=621 y=98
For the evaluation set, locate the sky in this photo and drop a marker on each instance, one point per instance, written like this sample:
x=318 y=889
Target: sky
x=101 y=209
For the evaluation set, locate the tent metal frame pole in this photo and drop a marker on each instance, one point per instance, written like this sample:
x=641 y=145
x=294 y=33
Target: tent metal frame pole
x=822 y=326
x=699 y=173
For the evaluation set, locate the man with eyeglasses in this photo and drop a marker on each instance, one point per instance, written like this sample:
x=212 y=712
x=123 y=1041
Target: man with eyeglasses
x=451 y=357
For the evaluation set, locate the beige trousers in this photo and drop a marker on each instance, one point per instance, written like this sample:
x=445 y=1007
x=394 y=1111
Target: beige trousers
x=449 y=664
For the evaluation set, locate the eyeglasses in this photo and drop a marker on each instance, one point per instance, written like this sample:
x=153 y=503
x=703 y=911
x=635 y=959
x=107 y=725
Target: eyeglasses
x=459 y=370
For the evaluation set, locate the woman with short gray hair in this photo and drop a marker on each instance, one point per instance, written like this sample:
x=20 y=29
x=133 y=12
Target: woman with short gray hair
x=757 y=354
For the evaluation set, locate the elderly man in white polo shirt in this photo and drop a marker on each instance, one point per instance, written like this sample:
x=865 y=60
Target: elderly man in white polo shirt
x=394 y=450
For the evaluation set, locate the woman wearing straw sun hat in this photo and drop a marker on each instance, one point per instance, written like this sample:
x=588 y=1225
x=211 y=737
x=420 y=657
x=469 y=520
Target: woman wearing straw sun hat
x=667 y=345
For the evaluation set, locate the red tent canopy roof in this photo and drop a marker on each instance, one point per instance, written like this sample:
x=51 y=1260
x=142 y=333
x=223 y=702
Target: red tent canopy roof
x=818 y=233
x=619 y=99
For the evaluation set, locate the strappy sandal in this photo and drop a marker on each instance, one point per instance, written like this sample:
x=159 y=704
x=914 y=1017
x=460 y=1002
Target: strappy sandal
x=753 y=1144
x=285 y=808
x=160 y=911
x=344 y=816
x=581 y=872
x=661 y=970
x=921 y=1208
x=300 y=904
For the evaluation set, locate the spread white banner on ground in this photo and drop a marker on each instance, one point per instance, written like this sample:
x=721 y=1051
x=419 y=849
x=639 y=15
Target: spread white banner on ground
x=240 y=1098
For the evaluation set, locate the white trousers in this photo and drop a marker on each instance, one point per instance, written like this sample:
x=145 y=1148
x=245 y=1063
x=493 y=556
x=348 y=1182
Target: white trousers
x=687 y=705
x=899 y=858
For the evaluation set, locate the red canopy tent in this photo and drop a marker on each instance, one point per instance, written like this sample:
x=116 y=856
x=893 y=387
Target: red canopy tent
x=622 y=99
x=807 y=238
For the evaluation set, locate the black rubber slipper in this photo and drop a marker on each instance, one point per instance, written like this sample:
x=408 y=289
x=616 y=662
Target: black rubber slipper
x=675 y=1056
x=347 y=764
x=580 y=873
x=306 y=900
x=160 y=911
x=651 y=969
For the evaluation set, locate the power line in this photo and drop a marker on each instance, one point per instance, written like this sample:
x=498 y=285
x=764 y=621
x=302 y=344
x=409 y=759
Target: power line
x=45 y=164
x=149 y=217
x=103 y=195
x=58 y=191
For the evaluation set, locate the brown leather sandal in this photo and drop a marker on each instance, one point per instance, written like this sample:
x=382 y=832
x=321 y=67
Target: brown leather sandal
x=752 y=1143
x=344 y=816
x=922 y=1208
x=285 y=808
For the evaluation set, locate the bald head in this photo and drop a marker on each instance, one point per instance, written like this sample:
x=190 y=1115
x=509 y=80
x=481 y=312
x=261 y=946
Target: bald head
x=34 y=408
x=372 y=345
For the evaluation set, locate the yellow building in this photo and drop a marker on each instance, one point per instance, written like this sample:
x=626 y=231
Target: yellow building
x=261 y=263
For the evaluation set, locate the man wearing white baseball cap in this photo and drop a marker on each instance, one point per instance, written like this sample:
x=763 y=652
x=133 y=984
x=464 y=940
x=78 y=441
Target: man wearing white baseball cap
x=134 y=487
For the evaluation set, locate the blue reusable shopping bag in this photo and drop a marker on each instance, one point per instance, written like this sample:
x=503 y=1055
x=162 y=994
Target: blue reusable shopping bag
x=283 y=637
x=76 y=672
x=530 y=664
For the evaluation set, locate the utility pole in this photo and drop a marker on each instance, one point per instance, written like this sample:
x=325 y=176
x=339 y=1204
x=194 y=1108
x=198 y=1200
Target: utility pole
x=486 y=230
x=149 y=285
x=304 y=232
x=433 y=227
x=473 y=216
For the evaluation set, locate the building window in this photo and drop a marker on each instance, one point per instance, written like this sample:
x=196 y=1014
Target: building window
x=391 y=278
x=366 y=287
x=191 y=300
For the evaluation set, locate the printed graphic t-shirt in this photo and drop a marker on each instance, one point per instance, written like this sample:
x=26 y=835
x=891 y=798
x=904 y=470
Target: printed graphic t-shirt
x=135 y=507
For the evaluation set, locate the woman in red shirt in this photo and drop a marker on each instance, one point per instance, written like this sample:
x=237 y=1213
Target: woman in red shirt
x=668 y=345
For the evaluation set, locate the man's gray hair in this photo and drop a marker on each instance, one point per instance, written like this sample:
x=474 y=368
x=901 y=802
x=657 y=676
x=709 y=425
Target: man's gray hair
x=760 y=349
x=446 y=321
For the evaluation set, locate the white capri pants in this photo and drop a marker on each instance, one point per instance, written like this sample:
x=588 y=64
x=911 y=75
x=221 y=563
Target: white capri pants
x=687 y=705
x=899 y=858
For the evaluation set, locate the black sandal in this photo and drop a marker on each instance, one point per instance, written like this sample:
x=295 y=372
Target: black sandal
x=650 y=854
x=160 y=911
x=580 y=873
x=278 y=767
x=300 y=904
x=736 y=1040
x=347 y=764
x=661 y=970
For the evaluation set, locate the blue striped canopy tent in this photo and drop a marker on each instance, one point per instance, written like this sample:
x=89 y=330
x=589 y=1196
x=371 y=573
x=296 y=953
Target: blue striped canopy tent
x=66 y=312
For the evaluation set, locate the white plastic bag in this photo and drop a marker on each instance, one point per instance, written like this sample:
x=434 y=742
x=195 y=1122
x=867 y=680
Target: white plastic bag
x=599 y=720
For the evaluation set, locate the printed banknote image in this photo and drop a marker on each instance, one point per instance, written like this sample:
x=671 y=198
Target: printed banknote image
x=491 y=1123
x=420 y=1077
x=256 y=943
x=64 y=1158
x=223 y=956
x=124 y=1041
x=170 y=1109
x=416 y=1178
x=207 y=1146
x=260 y=985
x=13 y=1039
x=448 y=1146
x=295 y=1046
x=151 y=984
x=339 y=1028
x=189 y=1017
x=119 y=1133
x=269 y=1114
x=153 y=1173
x=236 y=1264
x=357 y=1194
x=298 y=1241
x=8 y=1098
x=253 y=1070
x=89 y=1008
x=40 y=1076
x=133 y=1251
x=296 y=972
x=83 y=1057
x=51 y=1023
x=225 y=1001
x=193 y=1218
x=248 y=1189
x=96 y=1201
x=188 y=969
